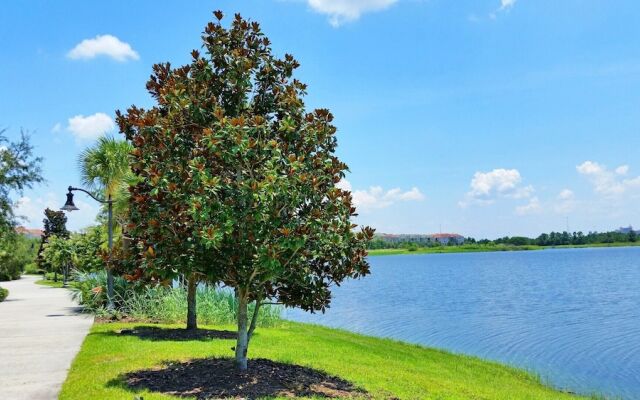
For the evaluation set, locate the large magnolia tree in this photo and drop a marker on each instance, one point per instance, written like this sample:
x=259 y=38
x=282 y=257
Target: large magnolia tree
x=238 y=181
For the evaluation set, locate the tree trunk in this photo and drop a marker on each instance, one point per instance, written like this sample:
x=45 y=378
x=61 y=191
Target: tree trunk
x=242 y=343
x=254 y=320
x=55 y=276
x=192 y=289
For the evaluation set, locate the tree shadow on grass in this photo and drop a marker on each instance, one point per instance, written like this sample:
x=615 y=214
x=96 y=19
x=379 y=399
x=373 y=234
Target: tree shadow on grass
x=217 y=378
x=155 y=333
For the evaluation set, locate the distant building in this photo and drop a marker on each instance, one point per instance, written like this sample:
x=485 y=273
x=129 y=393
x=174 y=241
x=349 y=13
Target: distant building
x=628 y=229
x=446 y=238
x=30 y=233
x=404 y=237
x=439 y=238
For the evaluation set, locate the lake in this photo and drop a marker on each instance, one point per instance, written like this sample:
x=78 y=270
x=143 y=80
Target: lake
x=570 y=315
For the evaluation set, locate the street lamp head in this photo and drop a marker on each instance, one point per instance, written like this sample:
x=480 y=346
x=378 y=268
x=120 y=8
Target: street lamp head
x=69 y=206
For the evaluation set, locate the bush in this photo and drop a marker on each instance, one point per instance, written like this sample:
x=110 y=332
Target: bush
x=3 y=293
x=9 y=270
x=16 y=251
x=32 y=268
x=162 y=304
x=412 y=247
x=90 y=290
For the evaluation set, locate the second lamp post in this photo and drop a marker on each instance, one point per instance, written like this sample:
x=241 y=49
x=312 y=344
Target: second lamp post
x=70 y=206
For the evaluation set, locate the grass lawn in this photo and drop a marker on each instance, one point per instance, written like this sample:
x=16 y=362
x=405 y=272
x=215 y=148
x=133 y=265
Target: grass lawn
x=385 y=368
x=46 y=282
x=471 y=248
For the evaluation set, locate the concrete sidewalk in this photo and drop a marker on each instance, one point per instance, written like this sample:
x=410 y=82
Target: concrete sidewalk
x=41 y=331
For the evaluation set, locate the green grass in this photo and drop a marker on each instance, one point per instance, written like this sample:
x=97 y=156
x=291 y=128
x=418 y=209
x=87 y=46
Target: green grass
x=383 y=367
x=478 y=248
x=466 y=248
x=50 y=283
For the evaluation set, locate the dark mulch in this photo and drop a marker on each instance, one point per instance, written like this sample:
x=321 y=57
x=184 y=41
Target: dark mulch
x=217 y=378
x=177 y=334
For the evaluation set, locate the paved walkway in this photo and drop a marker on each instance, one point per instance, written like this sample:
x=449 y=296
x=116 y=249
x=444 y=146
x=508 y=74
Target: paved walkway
x=40 y=333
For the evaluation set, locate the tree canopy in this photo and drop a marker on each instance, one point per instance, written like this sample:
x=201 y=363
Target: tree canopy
x=55 y=224
x=59 y=254
x=19 y=169
x=237 y=181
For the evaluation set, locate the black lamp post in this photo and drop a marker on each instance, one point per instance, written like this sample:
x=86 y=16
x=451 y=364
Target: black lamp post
x=70 y=206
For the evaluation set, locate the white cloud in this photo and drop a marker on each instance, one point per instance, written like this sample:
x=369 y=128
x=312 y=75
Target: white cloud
x=566 y=194
x=33 y=211
x=341 y=11
x=103 y=45
x=522 y=192
x=500 y=182
x=589 y=168
x=506 y=4
x=486 y=187
x=344 y=185
x=606 y=182
x=532 y=207
x=622 y=170
x=376 y=197
x=565 y=202
x=90 y=127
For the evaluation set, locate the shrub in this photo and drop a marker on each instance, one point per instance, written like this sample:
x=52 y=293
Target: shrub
x=9 y=269
x=3 y=293
x=412 y=247
x=90 y=290
x=32 y=268
x=16 y=251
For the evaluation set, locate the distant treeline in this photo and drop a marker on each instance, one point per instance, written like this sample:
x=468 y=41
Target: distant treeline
x=566 y=238
x=546 y=239
x=379 y=243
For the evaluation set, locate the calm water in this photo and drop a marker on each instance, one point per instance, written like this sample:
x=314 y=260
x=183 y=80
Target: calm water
x=572 y=316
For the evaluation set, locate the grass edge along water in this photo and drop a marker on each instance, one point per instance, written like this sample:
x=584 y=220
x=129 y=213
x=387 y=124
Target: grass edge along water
x=385 y=368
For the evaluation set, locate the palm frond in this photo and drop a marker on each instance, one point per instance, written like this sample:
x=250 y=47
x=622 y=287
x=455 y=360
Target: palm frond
x=105 y=166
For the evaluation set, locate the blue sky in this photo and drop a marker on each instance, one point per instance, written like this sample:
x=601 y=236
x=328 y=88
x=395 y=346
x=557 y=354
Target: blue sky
x=483 y=117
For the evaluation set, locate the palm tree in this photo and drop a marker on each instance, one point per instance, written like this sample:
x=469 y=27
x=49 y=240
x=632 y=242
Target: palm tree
x=104 y=168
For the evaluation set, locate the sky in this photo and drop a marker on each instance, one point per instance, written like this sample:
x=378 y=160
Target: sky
x=482 y=117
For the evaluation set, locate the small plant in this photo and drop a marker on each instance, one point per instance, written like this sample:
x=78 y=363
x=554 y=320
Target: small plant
x=3 y=293
x=90 y=290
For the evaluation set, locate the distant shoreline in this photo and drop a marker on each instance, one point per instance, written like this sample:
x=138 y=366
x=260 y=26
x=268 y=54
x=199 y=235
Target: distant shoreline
x=478 y=248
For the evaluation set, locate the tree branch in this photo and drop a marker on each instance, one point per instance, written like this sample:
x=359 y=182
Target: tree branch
x=254 y=320
x=271 y=304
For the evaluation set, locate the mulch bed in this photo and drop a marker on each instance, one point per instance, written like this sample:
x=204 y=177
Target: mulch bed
x=217 y=378
x=156 y=333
